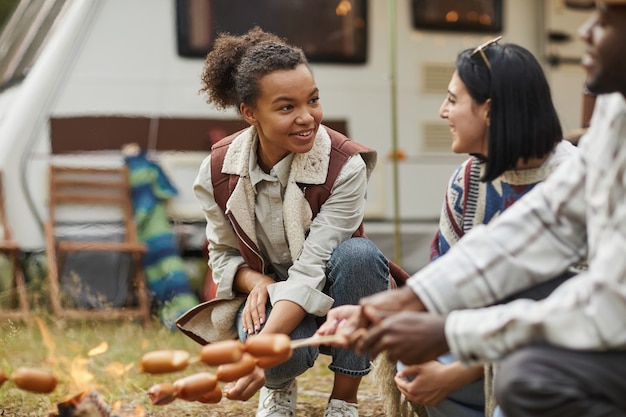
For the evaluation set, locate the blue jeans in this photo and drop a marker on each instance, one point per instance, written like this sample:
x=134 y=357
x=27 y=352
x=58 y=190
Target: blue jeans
x=356 y=269
x=498 y=412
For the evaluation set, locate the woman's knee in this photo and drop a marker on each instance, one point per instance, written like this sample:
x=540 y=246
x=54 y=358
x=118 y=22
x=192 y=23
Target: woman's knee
x=358 y=254
x=356 y=269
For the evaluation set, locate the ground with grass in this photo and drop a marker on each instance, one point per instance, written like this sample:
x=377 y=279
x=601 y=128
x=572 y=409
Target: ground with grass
x=104 y=356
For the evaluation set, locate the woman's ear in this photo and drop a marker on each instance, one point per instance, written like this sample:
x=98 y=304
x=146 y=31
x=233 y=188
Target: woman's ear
x=488 y=111
x=248 y=114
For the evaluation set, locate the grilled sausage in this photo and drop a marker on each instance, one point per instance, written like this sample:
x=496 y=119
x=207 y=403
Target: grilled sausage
x=163 y=361
x=218 y=353
x=212 y=397
x=270 y=344
x=232 y=371
x=34 y=380
x=193 y=386
x=161 y=394
x=3 y=377
x=271 y=361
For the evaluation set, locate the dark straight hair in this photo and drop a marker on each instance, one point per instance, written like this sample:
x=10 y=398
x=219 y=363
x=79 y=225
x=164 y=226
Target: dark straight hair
x=523 y=121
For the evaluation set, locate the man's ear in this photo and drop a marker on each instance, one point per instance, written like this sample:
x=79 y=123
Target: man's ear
x=248 y=114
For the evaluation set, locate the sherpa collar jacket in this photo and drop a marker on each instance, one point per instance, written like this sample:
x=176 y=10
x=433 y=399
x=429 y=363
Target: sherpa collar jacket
x=308 y=178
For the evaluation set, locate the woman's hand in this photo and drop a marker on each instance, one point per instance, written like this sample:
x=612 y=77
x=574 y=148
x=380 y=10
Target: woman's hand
x=433 y=381
x=253 y=283
x=336 y=318
x=336 y=321
x=244 y=388
x=253 y=314
x=429 y=386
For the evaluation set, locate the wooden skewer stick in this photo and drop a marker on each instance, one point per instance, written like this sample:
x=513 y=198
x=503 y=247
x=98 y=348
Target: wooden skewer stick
x=312 y=341
x=298 y=343
x=328 y=339
x=317 y=340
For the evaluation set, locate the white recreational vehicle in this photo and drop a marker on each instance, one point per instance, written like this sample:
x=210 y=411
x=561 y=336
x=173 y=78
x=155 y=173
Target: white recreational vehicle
x=80 y=78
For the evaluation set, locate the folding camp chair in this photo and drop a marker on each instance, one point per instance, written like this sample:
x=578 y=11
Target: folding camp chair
x=17 y=308
x=94 y=257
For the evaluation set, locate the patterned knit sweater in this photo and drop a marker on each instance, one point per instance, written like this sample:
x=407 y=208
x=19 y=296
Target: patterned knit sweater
x=470 y=202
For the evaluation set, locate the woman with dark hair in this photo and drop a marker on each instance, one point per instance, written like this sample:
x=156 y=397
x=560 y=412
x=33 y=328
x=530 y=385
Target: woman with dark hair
x=522 y=126
x=500 y=112
x=284 y=202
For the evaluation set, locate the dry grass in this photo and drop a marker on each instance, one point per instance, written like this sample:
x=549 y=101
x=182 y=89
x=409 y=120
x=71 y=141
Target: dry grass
x=64 y=348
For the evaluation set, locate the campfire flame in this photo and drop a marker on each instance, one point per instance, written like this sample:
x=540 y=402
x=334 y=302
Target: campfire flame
x=85 y=404
x=98 y=350
x=80 y=377
x=118 y=369
x=47 y=340
x=88 y=402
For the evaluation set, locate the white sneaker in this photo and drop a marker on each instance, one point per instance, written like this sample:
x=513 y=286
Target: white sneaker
x=278 y=402
x=340 y=408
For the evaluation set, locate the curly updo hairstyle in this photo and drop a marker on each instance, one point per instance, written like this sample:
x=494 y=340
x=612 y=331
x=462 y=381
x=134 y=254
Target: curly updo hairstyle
x=234 y=66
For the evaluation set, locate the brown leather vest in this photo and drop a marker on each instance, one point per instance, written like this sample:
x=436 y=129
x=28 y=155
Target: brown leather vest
x=342 y=148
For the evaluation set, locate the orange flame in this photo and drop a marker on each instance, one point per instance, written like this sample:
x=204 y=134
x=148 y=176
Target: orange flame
x=81 y=378
x=47 y=340
x=118 y=369
x=98 y=350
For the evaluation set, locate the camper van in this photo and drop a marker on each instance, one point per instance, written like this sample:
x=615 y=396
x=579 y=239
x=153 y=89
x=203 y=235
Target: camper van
x=79 y=79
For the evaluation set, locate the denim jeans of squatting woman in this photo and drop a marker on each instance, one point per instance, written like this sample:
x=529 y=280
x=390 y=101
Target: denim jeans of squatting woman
x=356 y=269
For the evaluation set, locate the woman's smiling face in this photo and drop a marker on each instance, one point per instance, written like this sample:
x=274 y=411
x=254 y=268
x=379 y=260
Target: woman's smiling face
x=286 y=115
x=468 y=121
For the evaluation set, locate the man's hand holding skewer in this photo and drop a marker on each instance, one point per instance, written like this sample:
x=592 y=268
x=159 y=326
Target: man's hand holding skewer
x=395 y=321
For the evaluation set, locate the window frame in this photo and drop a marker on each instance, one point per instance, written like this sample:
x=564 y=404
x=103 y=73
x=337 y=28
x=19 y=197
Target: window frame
x=421 y=22
x=187 y=50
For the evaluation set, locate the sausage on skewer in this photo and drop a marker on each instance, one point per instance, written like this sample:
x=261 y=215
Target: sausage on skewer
x=272 y=349
x=191 y=387
x=3 y=378
x=161 y=394
x=164 y=361
x=34 y=380
x=230 y=372
x=268 y=344
x=212 y=397
x=218 y=353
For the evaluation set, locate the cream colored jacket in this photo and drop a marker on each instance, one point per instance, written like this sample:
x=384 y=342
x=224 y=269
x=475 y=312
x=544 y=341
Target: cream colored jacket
x=300 y=275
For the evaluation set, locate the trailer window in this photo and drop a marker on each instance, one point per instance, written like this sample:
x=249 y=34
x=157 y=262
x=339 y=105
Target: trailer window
x=454 y=15
x=333 y=31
